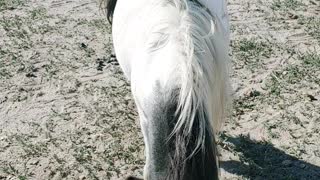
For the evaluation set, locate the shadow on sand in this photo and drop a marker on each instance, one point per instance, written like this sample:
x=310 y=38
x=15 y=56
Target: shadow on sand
x=261 y=160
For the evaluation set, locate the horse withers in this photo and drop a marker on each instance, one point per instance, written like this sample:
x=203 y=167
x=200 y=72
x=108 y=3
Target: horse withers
x=175 y=54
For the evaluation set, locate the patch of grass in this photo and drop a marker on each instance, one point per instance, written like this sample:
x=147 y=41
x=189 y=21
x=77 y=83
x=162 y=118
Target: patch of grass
x=12 y=24
x=31 y=149
x=83 y=155
x=274 y=86
x=311 y=59
x=286 y=5
x=22 y=28
x=101 y=24
x=252 y=48
x=7 y=59
x=22 y=178
x=38 y=13
x=18 y=38
x=295 y=74
x=17 y=29
x=39 y=21
x=250 y=51
x=312 y=26
x=292 y=74
x=9 y=169
x=5 y=74
x=308 y=70
x=11 y=4
x=311 y=63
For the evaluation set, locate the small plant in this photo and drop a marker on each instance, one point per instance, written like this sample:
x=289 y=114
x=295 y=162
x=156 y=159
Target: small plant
x=293 y=74
x=252 y=48
x=286 y=5
x=274 y=86
x=38 y=13
x=101 y=24
x=312 y=26
x=251 y=51
x=10 y=4
x=22 y=178
x=311 y=59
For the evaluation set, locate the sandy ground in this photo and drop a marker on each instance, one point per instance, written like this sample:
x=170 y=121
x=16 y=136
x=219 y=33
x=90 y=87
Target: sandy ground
x=66 y=111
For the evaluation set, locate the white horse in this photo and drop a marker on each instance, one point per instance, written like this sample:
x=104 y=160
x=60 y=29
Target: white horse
x=175 y=54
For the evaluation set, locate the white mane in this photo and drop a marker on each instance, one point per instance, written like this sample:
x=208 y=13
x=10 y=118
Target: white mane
x=202 y=80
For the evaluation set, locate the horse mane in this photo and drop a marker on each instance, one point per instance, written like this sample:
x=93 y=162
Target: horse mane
x=203 y=96
x=108 y=6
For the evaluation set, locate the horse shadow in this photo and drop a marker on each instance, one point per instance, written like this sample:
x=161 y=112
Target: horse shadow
x=261 y=160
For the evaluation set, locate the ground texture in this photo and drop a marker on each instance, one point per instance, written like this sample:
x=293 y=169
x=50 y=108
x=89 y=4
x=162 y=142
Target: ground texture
x=66 y=111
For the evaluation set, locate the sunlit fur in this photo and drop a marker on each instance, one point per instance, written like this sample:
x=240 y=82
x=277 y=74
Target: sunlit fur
x=201 y=41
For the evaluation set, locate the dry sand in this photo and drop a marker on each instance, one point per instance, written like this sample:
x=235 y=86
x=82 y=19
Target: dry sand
x=66 y=111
